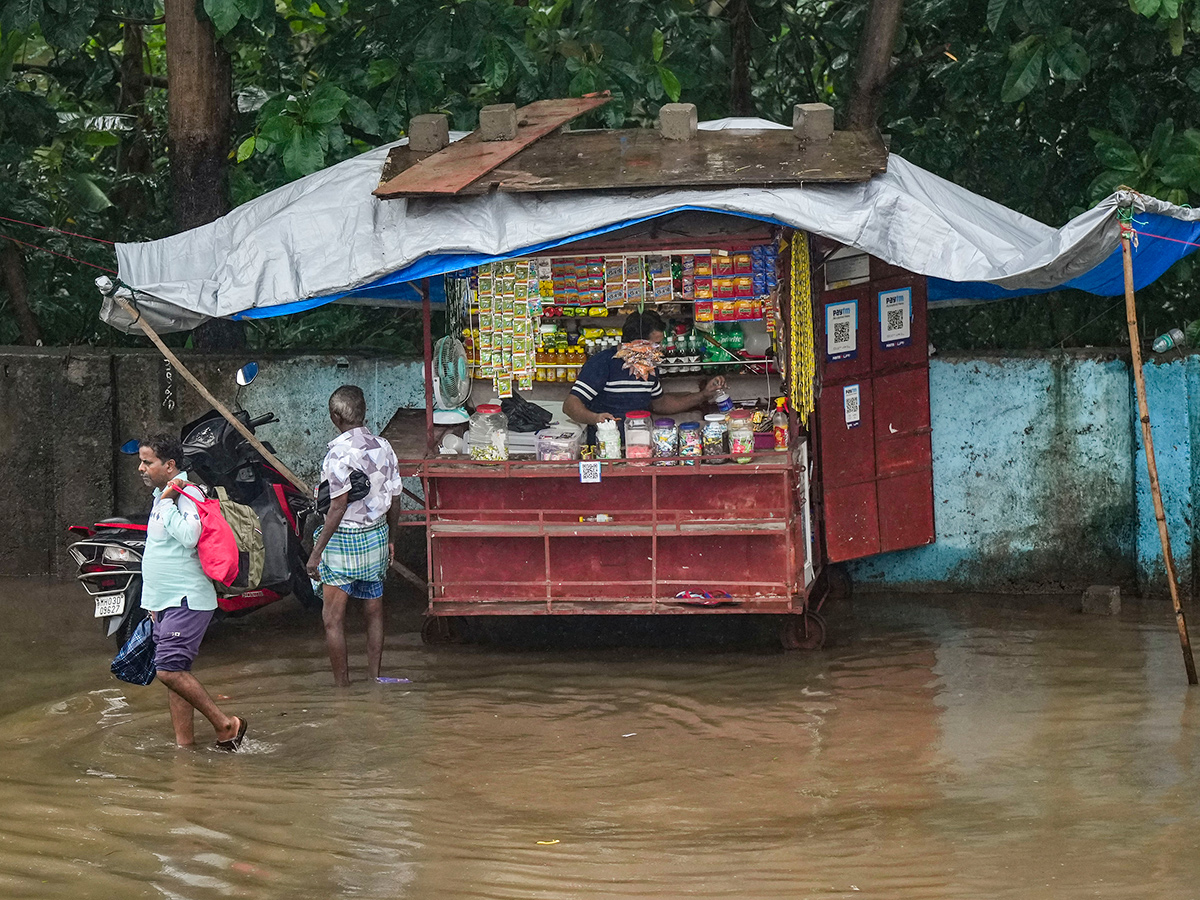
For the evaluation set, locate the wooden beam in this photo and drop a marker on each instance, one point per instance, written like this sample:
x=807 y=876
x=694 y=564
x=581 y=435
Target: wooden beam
x=452 y=169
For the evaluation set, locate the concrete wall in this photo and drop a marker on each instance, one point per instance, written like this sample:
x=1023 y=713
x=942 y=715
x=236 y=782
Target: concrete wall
x=1039 y=476
x=64 y=412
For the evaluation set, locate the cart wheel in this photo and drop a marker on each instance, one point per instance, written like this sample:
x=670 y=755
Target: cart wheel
x=437 y=630
x=806 y=632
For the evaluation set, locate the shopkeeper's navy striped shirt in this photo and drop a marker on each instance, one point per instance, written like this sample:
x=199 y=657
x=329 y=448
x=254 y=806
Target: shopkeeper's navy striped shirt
x=606 y=386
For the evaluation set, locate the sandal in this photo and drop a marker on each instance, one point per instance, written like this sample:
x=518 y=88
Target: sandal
x=234 y=744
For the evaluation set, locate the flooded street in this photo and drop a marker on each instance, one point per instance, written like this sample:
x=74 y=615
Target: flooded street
x=941 y=748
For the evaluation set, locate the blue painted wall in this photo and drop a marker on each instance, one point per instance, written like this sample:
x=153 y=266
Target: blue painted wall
x=1040 y=475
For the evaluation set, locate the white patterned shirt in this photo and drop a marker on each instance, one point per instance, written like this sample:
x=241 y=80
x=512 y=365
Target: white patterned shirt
x=375 y=458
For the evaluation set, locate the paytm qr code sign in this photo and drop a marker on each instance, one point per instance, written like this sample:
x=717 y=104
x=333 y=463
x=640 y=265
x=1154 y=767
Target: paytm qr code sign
x=841 y=330
x=850 y=402
x=589 y=472
x=895 y=318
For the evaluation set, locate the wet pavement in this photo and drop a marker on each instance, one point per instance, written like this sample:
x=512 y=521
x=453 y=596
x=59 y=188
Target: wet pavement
x=968 y=747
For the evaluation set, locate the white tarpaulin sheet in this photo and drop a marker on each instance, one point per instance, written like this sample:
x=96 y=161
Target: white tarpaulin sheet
x=324 y=236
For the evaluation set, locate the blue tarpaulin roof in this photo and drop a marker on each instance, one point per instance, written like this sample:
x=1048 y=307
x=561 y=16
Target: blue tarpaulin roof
x=325 y=238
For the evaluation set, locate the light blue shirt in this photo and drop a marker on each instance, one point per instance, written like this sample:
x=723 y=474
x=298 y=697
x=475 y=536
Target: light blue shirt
x=170 y=565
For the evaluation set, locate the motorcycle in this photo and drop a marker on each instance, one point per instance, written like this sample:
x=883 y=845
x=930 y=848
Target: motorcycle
x=109 y=554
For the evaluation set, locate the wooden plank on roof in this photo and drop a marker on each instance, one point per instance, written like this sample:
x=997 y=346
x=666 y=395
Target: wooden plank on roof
x=641 y=158
x=450 y=170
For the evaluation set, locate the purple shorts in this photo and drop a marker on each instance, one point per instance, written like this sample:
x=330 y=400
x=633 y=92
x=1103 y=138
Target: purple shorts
x=178 y=632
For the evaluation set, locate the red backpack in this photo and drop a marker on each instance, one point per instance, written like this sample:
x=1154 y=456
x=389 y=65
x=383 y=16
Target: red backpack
x=217 y=548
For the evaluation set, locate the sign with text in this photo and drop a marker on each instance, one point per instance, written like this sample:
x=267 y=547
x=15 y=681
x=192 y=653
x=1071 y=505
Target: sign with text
x=841 y=330
x=895 y=318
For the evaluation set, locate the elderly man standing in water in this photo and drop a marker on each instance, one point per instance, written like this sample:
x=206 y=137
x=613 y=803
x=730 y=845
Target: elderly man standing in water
x=354 y=548
x=178 y=595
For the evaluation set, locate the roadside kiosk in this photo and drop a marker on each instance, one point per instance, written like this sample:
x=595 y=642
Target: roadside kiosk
x=747 y=529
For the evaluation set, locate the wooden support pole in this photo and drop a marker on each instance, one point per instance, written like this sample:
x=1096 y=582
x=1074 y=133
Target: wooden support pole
x=1160 y=515
x=215 y=403
x=404 y=572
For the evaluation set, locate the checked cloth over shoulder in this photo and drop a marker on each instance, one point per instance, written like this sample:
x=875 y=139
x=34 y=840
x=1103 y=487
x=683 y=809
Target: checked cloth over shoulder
x=355 y=554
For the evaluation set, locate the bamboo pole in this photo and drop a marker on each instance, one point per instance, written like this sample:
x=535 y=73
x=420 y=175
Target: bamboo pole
x=213 y=401
x=401 y=570
x=1160 y=515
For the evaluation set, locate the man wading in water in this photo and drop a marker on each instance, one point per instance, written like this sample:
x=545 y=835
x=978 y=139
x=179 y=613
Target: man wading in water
x=178 y=595
x=354 y=547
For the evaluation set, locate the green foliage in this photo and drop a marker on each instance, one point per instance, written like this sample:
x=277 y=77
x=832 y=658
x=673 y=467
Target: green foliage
x=1042 y=105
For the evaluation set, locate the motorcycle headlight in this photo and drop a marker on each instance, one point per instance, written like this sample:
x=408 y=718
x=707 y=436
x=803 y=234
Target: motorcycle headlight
x=119 y=555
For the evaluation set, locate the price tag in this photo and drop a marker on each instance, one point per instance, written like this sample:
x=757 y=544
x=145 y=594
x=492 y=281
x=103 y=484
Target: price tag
x=589 y=472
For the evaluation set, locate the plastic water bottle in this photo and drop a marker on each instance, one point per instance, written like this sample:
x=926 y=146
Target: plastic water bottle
x=1165 y=342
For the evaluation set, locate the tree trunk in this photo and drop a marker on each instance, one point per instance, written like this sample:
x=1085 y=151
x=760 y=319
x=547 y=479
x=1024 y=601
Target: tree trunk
x=740 y=101
x=133 y=156
x=874 y=63
x=199 y=121
x=12 y=273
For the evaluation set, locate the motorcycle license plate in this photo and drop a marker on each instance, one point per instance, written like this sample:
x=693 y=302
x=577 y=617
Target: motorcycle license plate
x=110 y=604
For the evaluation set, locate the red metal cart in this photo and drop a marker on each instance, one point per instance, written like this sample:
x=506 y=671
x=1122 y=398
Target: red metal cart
x=522 y=537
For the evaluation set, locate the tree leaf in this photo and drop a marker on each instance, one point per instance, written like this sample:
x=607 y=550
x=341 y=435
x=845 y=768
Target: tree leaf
x=997 y=14
x=670 y=83
x=1175 y=35
x=20 y=15
x=1145 y=7
x=1115 y=152
x=246 y=149
x=1069 y=62
x=303 y=154
x=325 y=104
x=277 y=130
x=87 y=193
x=496 y=70
x=380 y=71
x=251 y=9
x=1193 y=80
x=1123 y=106
x=1159 y=139
x=361 y=115
x=1023 y=76
x=223 y=13
x=657 y=42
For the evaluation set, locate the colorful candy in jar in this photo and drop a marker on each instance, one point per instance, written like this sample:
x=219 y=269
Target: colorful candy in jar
x=690 y=442
x=666 y=441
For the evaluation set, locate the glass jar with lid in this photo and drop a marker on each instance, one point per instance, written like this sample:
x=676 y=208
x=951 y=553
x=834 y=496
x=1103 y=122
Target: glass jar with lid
x=689 y=441
x=487 y=431
x=741 y=436
x=713 y=437
x=666 y=441
x=638 y=437
x=608 y=440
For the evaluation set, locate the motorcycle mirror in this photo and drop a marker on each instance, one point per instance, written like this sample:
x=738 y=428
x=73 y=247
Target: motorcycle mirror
x=247 y=374
x=131 y=447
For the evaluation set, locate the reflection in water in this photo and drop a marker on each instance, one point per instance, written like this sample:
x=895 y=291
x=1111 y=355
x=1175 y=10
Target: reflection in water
x=975 y=748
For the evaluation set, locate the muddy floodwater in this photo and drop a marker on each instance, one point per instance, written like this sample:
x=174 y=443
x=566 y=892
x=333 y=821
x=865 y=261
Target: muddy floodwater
x=959 y=748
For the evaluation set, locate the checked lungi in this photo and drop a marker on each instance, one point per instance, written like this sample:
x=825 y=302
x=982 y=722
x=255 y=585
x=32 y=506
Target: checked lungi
x=356 y=560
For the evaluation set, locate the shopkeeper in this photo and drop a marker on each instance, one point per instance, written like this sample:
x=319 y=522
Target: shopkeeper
x=616 y=382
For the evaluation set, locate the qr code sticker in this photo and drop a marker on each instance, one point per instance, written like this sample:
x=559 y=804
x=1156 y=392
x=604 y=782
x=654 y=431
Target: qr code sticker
x=841 y=333
x=851 y=405
x=589 y=472
x=895 y=320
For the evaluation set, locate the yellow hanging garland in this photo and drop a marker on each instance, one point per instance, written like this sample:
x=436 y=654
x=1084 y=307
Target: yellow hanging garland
x=802 y=361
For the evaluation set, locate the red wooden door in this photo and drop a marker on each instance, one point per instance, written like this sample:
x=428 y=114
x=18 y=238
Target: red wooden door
x=876 y=461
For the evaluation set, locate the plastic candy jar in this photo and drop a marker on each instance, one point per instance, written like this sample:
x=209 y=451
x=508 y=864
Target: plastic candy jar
x=608 y=440
x=666 y=441
x=689 y=441
x=713 y=437
x=741 y=436
x=488 y=433
x=638 y=437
